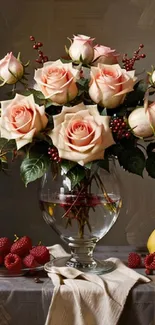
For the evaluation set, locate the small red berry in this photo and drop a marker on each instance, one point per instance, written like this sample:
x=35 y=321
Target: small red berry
x=45 y=58
x=134 y=260
x=32 y=38
x=35 y=46
x=39 y=44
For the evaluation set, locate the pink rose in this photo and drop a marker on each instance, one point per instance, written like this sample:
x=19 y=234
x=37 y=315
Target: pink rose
x=105 y=55
x=81 y=134
x=142 y=121
x=57 y=81
x=109 y=84
x=11 y=70
x=21 y=119
x=81 y=49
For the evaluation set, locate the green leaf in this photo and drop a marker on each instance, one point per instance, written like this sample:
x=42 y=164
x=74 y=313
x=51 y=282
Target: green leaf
x=89 y=165
x=104 y=112
x=7 y=145
x=150 y=147
x=150 y=164
x=36 y=93
x=132 y=160
x=76 y=175
x=136 y=97
x=66 y=165
x=65 y=60
x=33 y=168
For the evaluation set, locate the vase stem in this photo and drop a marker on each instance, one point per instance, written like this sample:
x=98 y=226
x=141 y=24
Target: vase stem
x=82 y=253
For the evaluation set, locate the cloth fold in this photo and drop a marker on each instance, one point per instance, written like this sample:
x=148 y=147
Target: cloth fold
x=88 y=299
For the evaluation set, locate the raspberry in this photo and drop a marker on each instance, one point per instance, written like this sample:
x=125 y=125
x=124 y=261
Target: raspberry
x=134 y=260
x=21 y=246
x=5 y=245
x=41 y=254
x=148 y=272
x=13 y=262
x=149 y=261
x=29 y=261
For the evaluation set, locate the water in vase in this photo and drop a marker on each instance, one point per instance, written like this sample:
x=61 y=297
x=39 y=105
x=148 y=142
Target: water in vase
x=83 y=216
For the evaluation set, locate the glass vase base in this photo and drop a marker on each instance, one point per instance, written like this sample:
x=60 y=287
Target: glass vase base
x=99 y=267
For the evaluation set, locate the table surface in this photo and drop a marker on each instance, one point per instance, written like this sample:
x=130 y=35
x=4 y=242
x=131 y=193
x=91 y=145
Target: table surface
x=25 y=302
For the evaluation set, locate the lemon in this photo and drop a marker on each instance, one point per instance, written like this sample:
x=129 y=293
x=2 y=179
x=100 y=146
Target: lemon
x=151 y=242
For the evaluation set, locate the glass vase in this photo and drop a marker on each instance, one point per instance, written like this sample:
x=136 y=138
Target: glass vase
x=81 y=214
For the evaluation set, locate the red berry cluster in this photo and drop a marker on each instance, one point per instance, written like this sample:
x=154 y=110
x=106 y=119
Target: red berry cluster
x=128 y=63
x=120 y=128
x=54 y=155
x=41 y=57
x=21 y=254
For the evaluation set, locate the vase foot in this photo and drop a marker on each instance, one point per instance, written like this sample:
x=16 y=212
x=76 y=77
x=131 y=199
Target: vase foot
x=98 y=267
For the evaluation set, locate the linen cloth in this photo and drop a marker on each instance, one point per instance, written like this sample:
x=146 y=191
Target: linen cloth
x=88 y=299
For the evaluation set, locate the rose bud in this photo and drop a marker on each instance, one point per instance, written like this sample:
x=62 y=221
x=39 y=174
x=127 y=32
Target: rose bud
x=11 y=69
x=81 y=49
x=105 y=55
x=152 y=78
x=142 y=121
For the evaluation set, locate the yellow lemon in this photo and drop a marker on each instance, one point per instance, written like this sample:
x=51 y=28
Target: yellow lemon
x=151 y=242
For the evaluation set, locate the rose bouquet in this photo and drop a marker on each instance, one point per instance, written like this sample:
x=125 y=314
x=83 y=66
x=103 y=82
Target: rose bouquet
x=85 y=109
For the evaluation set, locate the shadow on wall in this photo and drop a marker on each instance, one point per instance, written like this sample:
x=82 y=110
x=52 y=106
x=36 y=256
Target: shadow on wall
x=19 y=209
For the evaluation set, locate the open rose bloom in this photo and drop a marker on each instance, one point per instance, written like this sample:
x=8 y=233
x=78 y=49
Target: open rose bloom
x=57 y=81
x=80 y=134
x=21 y=119
x=109 y=84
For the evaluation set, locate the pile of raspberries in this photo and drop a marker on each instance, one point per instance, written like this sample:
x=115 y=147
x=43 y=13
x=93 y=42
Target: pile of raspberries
x=21 y=254
x=135 y=261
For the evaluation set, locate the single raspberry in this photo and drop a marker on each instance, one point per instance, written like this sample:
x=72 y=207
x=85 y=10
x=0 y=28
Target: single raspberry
x=5 y=245
x=149 y=261
x=148 y=272
x=134 y=260
x=1 y=260
x=41 y=254
x=21 y=246
x=29 y=261
x=13 y=262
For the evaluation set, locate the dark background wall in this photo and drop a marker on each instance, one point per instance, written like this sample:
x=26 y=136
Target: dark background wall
x=120 y=24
